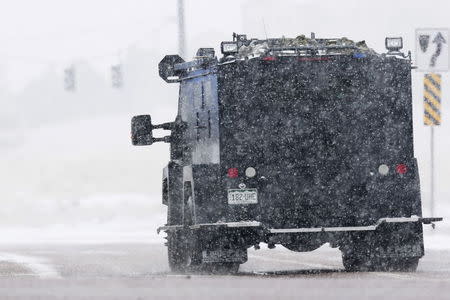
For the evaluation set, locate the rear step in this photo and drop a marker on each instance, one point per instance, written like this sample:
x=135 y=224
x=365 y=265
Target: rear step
x=256 y=224
x=357 y=228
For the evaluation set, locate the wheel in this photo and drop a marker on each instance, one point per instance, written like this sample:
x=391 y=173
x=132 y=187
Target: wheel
x=185 y=256
x=380 y=264
x=408 y=264
x=220 y=268
x=352 y=263
x=183 y=253
x=383 y=250
x=176 y=251
x=185 y=247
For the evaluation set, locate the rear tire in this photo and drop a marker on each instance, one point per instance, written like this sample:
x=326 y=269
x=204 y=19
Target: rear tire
x=184 y=256
x=182 y=250
x=183 y=253
x=185 y=248
x=407 y=264
x=176 y=252
x=352 y=263
x=380 y=264
x=220 y=268
x=394 y=248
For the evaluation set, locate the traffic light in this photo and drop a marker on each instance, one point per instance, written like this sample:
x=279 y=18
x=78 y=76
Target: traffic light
x=69 y=79
x=116 y=76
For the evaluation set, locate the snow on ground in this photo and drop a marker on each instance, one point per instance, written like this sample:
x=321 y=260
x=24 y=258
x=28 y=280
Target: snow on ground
x=37 y=265
x=81 y=180
x=87 y=233
x=439 y=237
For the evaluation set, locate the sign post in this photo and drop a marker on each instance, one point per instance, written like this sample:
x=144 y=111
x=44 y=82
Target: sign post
x=432 y=117
x=432 y=56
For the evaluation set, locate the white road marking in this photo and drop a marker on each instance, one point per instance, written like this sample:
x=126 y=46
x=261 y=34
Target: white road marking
x=36 y=264
x=395 y=275
x=104 y=252
x=413 y=276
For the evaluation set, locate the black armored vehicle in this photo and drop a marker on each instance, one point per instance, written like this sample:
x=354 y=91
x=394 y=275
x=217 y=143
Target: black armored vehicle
x=293 y=141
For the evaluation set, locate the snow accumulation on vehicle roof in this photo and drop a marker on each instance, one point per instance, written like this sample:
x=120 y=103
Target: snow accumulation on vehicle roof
x=300 y=45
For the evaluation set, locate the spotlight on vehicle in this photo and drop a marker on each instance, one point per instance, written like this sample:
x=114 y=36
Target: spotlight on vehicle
x=229 y=48
x=394 y=44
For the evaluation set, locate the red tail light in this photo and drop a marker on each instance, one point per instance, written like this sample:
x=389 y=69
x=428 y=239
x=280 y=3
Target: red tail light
x=401 y=168
x=233 y=172
x=269 y=58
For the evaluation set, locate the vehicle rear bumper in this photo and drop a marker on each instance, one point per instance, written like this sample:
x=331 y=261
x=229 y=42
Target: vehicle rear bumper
x=261 y=226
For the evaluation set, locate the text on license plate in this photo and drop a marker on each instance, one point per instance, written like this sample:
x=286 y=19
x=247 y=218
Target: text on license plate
x=242 y=196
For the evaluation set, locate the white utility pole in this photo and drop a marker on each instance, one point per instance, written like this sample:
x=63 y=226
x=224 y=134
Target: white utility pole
x=181 y=32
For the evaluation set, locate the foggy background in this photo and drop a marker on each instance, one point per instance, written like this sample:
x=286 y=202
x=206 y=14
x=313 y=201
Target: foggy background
x=66 y=161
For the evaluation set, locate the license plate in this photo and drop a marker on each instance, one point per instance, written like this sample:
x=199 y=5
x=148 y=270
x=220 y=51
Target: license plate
x=242 y=196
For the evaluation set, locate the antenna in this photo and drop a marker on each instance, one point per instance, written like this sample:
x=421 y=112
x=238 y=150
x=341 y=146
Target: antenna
x=264 y=26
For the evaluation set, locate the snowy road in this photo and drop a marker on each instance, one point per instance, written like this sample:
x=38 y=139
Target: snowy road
x=140 y=271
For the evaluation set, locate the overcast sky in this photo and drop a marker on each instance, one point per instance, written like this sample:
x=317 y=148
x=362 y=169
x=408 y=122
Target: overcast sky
x=37 y=34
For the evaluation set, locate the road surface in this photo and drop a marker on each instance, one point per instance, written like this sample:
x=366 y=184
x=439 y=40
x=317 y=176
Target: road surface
x=140 y=271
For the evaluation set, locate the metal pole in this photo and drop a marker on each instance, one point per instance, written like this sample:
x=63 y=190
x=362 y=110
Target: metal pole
x=181 y=32
x=432 y=170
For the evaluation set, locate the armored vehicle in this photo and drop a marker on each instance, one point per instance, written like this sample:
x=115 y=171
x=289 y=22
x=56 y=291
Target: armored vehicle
x=292 y=141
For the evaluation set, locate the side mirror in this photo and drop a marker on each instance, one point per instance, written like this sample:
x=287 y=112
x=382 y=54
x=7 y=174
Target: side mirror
x=141 y=130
